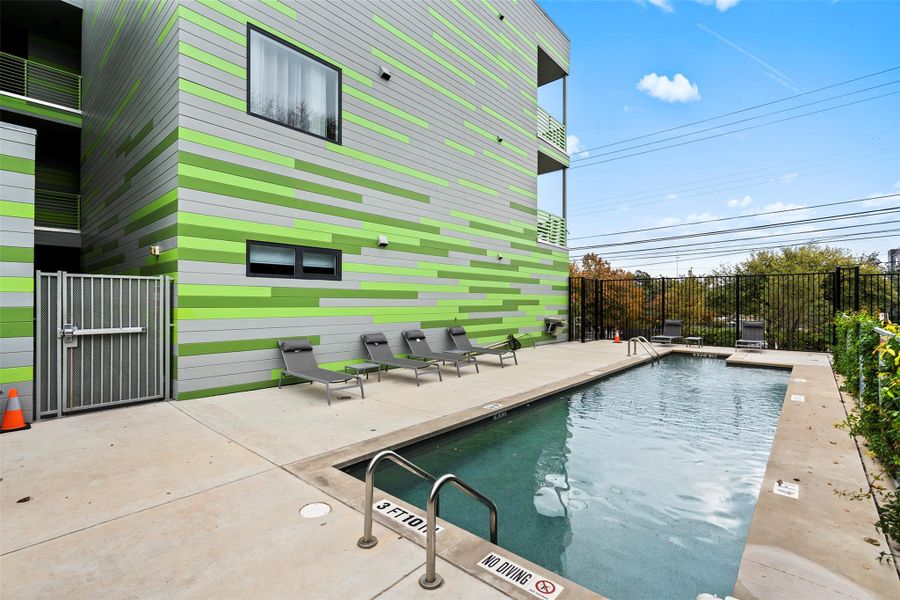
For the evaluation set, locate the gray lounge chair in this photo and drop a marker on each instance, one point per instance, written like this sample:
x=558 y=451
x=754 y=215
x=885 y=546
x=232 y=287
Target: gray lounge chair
x=753 y=336
x=419 y=348
x=300 y=362
x=381 y=354
x=671 y=332
x=463 y=345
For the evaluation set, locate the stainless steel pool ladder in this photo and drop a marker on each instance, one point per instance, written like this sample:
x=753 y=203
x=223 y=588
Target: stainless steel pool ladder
x=646 y=345
x=430 y=580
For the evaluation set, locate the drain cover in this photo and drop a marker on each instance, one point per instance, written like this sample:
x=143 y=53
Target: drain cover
x=315 y=510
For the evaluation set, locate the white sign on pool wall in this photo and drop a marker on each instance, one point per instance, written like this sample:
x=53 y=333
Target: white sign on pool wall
x=409 y=520
x=520 y=577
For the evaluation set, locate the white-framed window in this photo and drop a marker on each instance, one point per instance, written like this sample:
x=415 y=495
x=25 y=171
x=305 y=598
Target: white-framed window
x=291 y=87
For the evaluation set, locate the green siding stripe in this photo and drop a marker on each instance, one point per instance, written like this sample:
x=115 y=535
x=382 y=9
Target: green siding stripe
x=243 y=19
x=460 y=147
x=360 y=181
x=510 y=163
x=16 y=164
x=112 y=119
x=130 y=143
x=376 y=127
x=462 y=55
x=427 y=52
x=529 y=43
x=210 y=25
x=375 y=160
x=211 y=60
x=525 y=209
x=234 y=147
x=203 y=348
x=46 y=112
x=16 y=284
x=210 y=94
x=377 y=102
x=16 y=254
x=477 y=186
x=501 y=39
x=262 y=180
x=168 y=26
x=463 y=35
x=16 y=374
x=531 y=135
x=493 y=137
x=22 y=210
x=282 y=8
x=546 y=45
x=13 y=314
x=164 y=200
x=422 y=78
x=148 y=6
x=22 y=329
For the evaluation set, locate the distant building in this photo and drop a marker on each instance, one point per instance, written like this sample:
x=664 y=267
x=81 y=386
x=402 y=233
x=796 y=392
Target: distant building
x=894 y=260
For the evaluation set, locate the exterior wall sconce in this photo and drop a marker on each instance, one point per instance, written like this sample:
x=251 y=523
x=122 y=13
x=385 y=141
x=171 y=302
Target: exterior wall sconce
x=501 y=16
x=382 y=241
x=385 y=74
x=154 y=250
x=499 y=139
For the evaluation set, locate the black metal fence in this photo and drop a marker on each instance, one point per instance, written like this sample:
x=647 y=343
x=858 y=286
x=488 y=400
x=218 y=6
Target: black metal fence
x=798 y=309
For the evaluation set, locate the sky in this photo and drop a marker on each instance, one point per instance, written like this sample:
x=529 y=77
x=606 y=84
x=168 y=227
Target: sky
x=642 y=66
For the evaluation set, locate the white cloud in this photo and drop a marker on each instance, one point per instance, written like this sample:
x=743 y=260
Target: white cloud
x=662 y=4
x=740 y=202
x=721 y=5
x=672 y=197
x=677 y=89
x=789 y=177
x=876 y=202
x=775 y=207
x=574 y=146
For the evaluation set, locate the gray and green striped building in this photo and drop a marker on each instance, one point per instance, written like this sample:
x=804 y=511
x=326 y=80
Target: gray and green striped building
x=300 y=169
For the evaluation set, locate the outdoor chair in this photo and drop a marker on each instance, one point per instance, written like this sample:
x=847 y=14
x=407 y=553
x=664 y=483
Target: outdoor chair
x=753 y=336
x=671 y=332
x=462 y=343
x=381 y=354
x=419 y=348
x=300 y=361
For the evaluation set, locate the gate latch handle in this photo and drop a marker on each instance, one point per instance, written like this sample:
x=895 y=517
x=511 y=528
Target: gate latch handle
x=68 y=331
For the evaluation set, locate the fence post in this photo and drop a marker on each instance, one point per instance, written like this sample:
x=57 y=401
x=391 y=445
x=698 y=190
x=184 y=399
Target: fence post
x=600 y=315
x=737 y=307
x=596 y=318
x=571 y=309
x=663 y=300
x=581 y=311
x=856 y=288
x=835 y=303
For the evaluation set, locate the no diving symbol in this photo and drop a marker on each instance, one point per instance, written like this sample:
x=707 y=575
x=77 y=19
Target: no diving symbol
x=544 y=586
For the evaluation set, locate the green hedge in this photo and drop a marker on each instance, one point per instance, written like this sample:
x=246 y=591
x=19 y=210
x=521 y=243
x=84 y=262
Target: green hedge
x=871 y=369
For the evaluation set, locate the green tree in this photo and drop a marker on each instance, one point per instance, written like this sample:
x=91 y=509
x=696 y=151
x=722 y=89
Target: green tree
x=811 y=258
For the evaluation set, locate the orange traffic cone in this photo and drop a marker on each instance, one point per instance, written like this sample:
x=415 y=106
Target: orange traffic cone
x=13 y=418
x=617 y=340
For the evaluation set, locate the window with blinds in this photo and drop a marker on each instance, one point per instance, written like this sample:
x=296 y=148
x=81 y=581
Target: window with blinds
x=265 y=259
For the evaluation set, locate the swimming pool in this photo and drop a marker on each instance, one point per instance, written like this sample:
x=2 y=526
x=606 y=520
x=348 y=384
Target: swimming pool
x=638 y=486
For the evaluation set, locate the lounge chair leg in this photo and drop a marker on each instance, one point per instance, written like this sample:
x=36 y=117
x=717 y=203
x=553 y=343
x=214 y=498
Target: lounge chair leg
x=328 y=393
x=475 y=360
x=501 y=361
x=416 y=371
x=458 y=374
x=440 y=376
x=280 y=379
x=515 y=358
x=362 y=392
x=379 y=373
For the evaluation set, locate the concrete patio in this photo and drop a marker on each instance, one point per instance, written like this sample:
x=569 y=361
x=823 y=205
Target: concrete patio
x=197 y=499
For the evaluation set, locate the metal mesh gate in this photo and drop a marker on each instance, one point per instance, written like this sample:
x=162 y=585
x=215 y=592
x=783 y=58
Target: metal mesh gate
x=101 y=340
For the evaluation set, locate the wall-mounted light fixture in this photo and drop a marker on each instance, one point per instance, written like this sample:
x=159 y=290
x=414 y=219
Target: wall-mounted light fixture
x=499 y=257
x=499 y=139
x=382 y=241
x=154 y=250
x=385 y=74
x=501 y=16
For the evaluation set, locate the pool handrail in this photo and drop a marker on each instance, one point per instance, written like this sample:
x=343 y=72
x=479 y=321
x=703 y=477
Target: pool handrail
x=431 y=580
x=368 y=540
x=646 y=345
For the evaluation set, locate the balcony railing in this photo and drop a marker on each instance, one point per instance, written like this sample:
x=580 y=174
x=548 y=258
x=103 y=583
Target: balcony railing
x=57 y=210
x=550 y=130
x=551 y=228
x=35 y=80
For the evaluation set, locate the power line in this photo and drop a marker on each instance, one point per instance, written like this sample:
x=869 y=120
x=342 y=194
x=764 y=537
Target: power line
x=690 y=247
x=855 y=215
x=769 y=114
x=743 y=110
x=805 y=243
x=774 y=212
x=718 y=135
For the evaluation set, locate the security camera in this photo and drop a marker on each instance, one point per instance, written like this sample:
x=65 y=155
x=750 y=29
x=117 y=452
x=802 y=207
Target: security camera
x=382 y=241
x=385 y=74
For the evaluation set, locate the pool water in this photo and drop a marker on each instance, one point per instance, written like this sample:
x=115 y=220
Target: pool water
x=639 y=486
